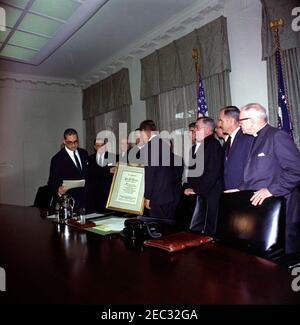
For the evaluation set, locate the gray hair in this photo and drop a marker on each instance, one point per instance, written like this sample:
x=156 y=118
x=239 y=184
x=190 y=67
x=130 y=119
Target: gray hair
x=208 y=122
x=259 y=111
x=232 y=112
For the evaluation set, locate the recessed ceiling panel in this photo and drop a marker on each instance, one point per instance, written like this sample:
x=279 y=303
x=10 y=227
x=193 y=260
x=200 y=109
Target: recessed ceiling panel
x=28 y=40
x=55 y=8
x=11 y=15
x=40 y=25
x=19 y=3
x=36 y=28
x=11 y=51
x=3 y=35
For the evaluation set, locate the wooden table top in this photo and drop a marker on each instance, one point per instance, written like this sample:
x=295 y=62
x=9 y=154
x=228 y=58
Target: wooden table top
x=50 y=263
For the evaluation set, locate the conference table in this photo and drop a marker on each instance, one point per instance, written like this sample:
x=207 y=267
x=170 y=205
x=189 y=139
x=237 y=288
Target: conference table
x=51 y=263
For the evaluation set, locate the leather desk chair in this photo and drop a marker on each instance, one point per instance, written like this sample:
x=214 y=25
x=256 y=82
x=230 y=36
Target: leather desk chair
x=258 y=230
x=44 y=199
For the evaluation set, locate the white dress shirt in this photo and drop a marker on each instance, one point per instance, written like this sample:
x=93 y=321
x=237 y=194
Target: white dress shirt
x=71 y=154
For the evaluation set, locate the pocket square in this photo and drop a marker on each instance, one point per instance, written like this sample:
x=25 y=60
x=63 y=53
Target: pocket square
x=261 y=154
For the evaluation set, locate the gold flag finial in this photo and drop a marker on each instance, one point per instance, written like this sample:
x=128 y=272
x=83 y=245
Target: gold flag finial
x=276 y=23
x=195 y=54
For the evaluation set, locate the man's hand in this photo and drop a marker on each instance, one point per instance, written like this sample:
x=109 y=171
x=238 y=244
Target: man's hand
x=189 y=191
x=259 y=196
x=62 y=190
x=113 y=169
x=147 y=204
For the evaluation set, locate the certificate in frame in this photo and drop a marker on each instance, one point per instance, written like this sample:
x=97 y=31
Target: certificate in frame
x=127 y=190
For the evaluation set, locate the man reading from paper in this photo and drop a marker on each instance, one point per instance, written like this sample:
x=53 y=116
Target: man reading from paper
x=69 y=164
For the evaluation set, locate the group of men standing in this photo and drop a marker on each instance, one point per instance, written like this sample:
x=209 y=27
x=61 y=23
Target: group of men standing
x=257 y=157
x=254 y=156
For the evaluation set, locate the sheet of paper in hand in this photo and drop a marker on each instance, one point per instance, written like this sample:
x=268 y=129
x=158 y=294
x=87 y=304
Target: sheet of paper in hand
x=74 y=183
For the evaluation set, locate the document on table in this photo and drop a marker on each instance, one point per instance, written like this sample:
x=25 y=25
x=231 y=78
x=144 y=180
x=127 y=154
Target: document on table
x=106 y=226
x=110 y=224
x=97 y=215
x=74 y=183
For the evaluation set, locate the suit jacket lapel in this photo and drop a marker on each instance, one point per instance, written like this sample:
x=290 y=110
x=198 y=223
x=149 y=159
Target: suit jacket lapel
x=71 y=162
x=235 y=140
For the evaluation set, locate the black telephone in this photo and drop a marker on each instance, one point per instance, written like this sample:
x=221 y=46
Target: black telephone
x=136 y=228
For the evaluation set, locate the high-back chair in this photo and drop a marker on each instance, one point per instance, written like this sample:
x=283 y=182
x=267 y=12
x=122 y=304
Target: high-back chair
x=44 y=198
x=257 y=229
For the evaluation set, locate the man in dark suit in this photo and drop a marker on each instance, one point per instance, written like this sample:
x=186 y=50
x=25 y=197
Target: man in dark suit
x=207 y=185
x=136 y=143
x=192 y=132
x=159 y=175
x=124 y=149
x=273 y=168
x=186 y=204
x=99 y=176
x=70 y=163
x=219 y=134
x=236 y=147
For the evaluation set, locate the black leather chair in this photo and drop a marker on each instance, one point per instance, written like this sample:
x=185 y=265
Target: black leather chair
x=44 y=199
x=259 y=230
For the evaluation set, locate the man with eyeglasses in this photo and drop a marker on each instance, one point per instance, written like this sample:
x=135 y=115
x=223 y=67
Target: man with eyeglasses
x=70 y=163
x=273 y=168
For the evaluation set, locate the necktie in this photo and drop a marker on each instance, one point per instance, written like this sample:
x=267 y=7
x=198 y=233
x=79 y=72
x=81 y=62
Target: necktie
x=227 y=146
x=77 y=162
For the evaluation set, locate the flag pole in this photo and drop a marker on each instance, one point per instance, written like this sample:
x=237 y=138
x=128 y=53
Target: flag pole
x=275 y=24
x=195 y=56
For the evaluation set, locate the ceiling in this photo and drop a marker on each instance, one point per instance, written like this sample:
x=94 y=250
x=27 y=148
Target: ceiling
x=68 y=38
x=36 y=28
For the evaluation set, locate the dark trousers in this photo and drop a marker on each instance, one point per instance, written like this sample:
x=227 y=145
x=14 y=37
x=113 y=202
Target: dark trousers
x=292 y=226
x=184 y=210
x=204 y=219
x=292 y=238
x=161 y=212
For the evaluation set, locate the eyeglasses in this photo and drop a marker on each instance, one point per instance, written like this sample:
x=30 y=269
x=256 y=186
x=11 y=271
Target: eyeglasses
x=244 y=119
x=72 y=142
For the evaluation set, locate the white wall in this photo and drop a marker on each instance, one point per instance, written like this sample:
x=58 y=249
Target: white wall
x=33 y=117
x=248 y=77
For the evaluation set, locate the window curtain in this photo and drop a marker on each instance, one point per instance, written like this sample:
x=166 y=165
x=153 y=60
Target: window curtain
x=106 y=104
x=290 y=46
x=168 y=79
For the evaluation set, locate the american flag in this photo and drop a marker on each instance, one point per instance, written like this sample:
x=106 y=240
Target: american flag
x=201 y=101
x=284 y=122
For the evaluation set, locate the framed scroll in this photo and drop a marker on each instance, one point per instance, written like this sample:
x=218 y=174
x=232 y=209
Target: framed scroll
x=127 y=190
